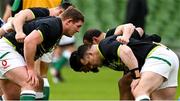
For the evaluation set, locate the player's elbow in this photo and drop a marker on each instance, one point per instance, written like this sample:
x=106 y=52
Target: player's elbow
x=140 y=31
x=27 y=41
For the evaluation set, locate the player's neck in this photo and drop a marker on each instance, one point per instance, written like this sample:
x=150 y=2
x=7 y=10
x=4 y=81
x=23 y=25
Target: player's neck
x=98 y=52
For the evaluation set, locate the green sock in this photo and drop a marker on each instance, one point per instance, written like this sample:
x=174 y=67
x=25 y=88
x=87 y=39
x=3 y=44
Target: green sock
x=46 y=93
x=59 y=64
x=28 y=95
x=46 y=89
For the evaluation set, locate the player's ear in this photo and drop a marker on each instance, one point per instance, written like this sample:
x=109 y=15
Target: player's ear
x=60 y=11
x=90 y=53
x=83 y=61
x=95 y=40
x=68 y=21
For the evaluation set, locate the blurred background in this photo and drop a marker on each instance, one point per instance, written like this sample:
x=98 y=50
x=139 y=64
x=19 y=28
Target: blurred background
x=162 y=18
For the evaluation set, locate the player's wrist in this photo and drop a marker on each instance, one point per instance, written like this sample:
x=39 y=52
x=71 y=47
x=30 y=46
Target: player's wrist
x=135 y=73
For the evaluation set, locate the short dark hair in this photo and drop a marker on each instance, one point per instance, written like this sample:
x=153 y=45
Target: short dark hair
x=76 y=56
x=65 y=5
x=72 y=13
x=75 y=62
x=89 y=34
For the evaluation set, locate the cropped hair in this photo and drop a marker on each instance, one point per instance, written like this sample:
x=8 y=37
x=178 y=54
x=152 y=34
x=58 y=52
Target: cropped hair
x=65 y=5
x=76 y=56
x=72 y=13
x=89 y=34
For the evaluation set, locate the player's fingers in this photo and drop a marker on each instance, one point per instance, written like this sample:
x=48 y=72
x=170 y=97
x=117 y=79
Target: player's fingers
x=33 y=81
x=37 y=81
x=29 y=79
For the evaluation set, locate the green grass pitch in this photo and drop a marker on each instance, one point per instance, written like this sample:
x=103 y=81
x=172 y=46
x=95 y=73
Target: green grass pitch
x=88 y=86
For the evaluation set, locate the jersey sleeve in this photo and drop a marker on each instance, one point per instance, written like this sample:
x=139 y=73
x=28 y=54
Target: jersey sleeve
x=40 y=12
x=109 y=50
x=109 y=47
x=110 y=32
x=50 y=29
x=43 y=29
x=136 y=35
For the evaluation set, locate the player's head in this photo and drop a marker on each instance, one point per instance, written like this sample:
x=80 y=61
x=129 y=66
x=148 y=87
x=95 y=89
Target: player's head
x=57 y=11
x=83 y=60
x=72 y=20
x=93 y=36
x=65 y=5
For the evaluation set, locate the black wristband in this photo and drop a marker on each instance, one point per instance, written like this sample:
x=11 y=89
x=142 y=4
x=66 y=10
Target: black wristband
x=135 y=74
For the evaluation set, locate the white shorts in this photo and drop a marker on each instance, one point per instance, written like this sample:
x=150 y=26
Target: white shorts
x=66 y=40
x=164 y=62
x=9 y=58
x=46 y=57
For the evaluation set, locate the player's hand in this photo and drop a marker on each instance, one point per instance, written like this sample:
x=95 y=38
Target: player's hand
x=32 y=78
x=134 y=84
x=122 y=39
x=8 y=27
x=20 y=37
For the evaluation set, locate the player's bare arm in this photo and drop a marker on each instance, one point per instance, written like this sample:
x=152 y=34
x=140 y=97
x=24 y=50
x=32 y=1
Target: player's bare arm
x=129 y=59
x=126 y=30
x=30 y=44
x=127 y=56
x=24 y=15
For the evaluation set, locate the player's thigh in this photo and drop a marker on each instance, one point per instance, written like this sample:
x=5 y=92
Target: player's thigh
x=43 y=63
x=125 y=81
x=124 y=87
x=43 y=68
x=149 y=82
x=164 y=94
x=13 y=67
x=37 y=66
x=10 y=90
x=18 y=75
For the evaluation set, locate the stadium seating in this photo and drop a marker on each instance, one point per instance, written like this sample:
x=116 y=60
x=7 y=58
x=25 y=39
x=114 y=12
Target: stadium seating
x=163 y=16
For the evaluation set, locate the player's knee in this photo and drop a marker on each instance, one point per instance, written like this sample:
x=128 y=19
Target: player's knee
x=28 y=86
x=11 y=96
x=39 y=88
x=164 y=94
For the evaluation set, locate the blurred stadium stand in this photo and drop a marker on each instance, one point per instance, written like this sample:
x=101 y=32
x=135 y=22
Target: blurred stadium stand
x=163 y=17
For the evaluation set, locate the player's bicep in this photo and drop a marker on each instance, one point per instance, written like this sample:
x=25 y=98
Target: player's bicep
x=26 y=14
